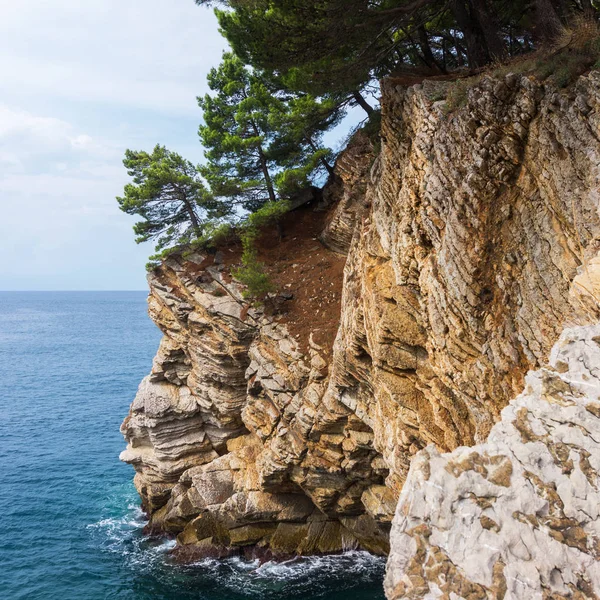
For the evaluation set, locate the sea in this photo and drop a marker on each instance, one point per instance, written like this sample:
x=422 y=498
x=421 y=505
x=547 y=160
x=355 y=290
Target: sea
x=70 y=523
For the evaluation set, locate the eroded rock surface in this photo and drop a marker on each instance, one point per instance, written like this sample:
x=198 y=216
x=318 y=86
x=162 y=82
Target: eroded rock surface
x=231 y=440
x=460 y=278
x=517 y=516
x=472 y=240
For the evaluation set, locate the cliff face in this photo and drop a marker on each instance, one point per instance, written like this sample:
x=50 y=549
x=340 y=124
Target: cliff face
x=459 y=279
x=232 y=438
x=469 y=243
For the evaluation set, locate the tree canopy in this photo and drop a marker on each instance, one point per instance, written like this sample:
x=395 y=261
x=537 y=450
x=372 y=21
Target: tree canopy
x=297 y=147
x=260 y=141
x=168 y=193
x=338 y=46
x=236 y=134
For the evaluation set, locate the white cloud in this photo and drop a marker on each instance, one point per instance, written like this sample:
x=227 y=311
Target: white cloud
x=14 y=122
x=59 y=215
x=80 y=82
x=10 y=162
x=30 y=143
x=27 y=132
x=82 y=142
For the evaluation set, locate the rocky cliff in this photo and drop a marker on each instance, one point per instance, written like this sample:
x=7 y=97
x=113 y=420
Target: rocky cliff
x=468 y=243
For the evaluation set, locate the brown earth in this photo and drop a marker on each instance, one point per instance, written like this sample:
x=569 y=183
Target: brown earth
x=300 y=265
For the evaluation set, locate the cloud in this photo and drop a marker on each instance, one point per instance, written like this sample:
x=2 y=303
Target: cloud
x=79 y=82
x=16 y=122
x=152 y=54
x=33 y=143
x=60 y=226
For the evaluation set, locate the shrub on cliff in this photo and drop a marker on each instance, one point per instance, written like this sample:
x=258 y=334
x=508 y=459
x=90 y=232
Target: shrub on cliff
x=252 y=272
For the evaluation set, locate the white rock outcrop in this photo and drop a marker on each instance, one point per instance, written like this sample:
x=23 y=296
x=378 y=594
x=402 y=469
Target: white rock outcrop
x=517 y=516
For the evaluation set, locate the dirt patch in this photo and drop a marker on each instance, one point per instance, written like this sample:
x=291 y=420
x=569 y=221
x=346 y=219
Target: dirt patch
x=299 y=265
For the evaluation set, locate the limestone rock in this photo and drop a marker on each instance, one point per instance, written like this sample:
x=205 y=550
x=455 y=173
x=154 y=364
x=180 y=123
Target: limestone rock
x=347 y=192
x=472 y=240
x=479 y=247
x=517 y=516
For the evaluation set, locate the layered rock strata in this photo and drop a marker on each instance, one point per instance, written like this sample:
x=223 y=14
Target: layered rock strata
x=460 y=277
x=471 y=241
x=230 y=437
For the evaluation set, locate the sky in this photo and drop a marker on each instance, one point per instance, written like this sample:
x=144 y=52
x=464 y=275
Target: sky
x=79 y=83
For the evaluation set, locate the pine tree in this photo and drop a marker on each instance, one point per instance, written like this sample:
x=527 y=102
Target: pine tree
x=337 y=47
x=237 y=133
x=322 y=48
x=297 y=147
x=168 y=193
x=260 y=140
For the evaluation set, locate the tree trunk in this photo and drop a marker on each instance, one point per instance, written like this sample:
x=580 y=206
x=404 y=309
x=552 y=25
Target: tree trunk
x=327 y=166
x=181 y=195
x=548 y=25
x=430 y=60
x=192 y=215
x=265 y=169
x=477 y=54
x=362 y=102
x=476 y=20
x=487 y=19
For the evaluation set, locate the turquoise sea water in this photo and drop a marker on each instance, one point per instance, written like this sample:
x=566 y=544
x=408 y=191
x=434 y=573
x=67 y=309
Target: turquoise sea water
x=70 y=526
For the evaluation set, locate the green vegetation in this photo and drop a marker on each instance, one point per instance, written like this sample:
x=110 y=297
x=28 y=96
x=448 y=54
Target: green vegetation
x=260 y=142
x=168 y=193
x=252 y=272
x=298 y=147
x=216 y=234
x=573 y=53
x=335 y=48
x=237 y=133
x=321 y=48
x=457 y=93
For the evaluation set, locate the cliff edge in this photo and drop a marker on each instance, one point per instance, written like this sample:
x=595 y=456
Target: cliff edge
x=446 y=266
